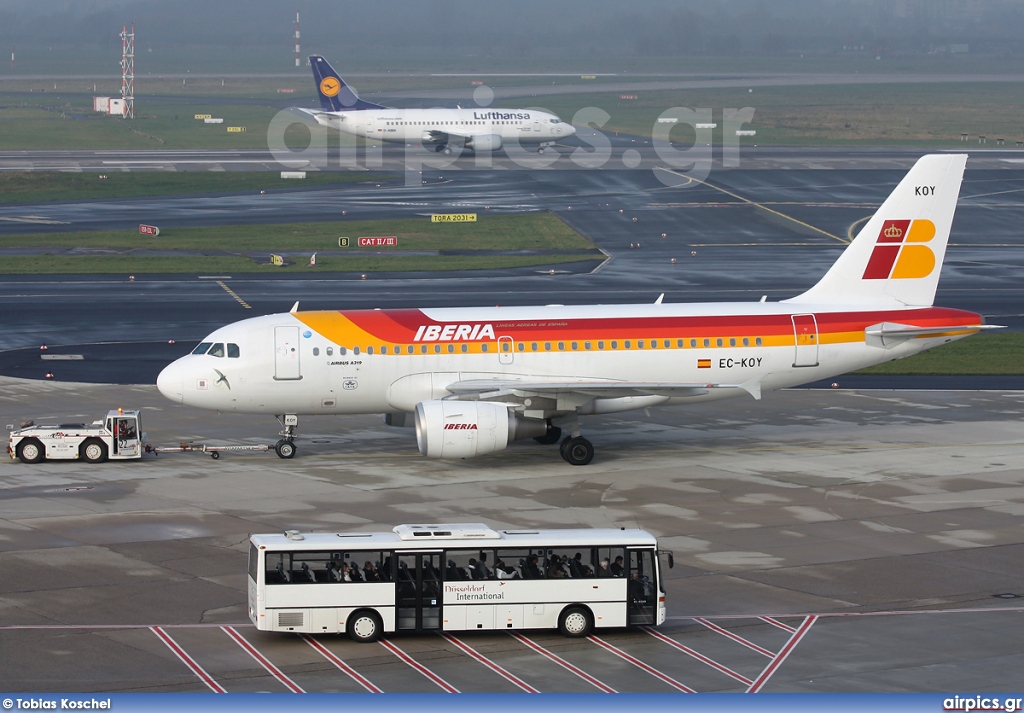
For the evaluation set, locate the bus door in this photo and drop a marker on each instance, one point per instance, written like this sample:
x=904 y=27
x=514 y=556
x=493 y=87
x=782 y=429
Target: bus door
x=418 y=591
x=642 y=588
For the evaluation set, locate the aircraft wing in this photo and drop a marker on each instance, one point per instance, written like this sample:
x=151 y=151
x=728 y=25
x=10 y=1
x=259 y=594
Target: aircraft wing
x=498 y=389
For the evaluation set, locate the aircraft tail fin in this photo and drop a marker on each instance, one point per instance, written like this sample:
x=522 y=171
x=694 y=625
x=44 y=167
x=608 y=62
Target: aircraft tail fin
x=897 y=256
x=334 y=94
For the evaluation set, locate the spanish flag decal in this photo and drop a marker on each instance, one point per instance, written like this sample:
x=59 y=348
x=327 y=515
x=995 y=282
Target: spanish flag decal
x=703 y=363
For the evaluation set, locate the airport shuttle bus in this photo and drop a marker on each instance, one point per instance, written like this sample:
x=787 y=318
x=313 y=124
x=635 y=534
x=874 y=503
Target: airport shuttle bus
x=455 y=577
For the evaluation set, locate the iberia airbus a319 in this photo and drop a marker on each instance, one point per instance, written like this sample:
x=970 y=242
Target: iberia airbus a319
x=473 y=380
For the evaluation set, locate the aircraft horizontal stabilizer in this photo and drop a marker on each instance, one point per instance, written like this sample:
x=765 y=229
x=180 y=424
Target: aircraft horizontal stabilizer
x=890 y=333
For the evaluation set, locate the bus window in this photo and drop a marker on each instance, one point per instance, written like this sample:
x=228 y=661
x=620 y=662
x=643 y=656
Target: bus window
x=462 y=565
x=609 y=562
x=524 y=563
x=571 y=561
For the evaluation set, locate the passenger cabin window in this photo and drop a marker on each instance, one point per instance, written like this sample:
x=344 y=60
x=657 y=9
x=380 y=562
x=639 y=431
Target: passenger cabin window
x=202 y=348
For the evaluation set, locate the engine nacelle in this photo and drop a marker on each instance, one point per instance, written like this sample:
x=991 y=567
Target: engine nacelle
x=484 y=142
x=463 y=429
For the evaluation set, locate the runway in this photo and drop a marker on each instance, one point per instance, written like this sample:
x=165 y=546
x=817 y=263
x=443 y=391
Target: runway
x=823 y=540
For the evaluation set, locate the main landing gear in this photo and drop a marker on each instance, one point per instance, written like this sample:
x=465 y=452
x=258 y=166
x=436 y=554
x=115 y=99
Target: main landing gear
x=285 y=448
x=575 y=449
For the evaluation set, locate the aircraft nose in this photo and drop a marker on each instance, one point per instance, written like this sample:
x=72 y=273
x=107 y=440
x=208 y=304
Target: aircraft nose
x=570 y=129
x=169 y=382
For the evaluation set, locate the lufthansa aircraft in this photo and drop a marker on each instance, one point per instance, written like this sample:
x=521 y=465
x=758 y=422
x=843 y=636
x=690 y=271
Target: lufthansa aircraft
x=472 y=380
x=441 y=129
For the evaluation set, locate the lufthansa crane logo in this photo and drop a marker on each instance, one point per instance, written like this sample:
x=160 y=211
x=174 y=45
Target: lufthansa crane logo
x=901 y=251
x=330 y=86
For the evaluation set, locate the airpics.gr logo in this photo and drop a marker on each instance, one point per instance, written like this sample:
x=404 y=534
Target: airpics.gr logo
x=899 y=251
x=330 y=86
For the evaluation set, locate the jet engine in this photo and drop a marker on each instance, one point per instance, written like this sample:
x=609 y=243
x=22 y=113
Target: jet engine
x=484 y=142
x=462 y=429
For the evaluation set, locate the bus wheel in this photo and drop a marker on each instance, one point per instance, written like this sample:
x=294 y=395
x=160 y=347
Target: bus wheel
x=576 y=622
x=93 y=451
x=365 y=626
x=30 y=451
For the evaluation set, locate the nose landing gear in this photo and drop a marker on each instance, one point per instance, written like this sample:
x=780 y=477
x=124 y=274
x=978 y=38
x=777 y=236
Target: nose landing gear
x=285 y=448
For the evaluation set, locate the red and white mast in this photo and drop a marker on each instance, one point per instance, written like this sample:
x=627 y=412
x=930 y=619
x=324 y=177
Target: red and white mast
x=128 y=72
x=296 y=38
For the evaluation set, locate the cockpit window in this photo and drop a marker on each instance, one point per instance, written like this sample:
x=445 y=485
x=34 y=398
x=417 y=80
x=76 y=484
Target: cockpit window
x=233 y=351
x=217 y=350
x=202 y=348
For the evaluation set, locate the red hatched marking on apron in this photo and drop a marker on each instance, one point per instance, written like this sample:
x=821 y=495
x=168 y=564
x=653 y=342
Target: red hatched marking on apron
x=773 y=622
x=641 y=665
x=700 y=657
x=563 y=663
x=510 y=677
x=447 y=687
x=781 y=656
x=187 y=660
x=262 y=660
x=738 y=639
x=342 y=666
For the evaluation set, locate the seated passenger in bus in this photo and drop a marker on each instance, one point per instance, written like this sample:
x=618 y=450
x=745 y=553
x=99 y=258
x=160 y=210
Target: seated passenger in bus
x=602 y=569
x=531 y=569
x=370 y=573
x=485 y=572
x=502 y=571
x=577 y=568
x=451 y=572
x=353 y=571
x=616 y=568
x=474 y=569
x=555 y=570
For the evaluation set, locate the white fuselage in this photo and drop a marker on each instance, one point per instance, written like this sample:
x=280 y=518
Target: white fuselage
x=438 y=126
x=360 y=362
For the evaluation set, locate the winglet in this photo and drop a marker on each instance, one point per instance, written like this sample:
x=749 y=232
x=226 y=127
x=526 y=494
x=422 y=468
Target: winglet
x=660 y=298
x=295 y=308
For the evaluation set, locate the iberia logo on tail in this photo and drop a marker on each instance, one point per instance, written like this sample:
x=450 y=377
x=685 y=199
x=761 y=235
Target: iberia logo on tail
x=900 y=252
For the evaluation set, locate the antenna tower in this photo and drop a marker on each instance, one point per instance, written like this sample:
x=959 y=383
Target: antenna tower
x=128 y=71
x=296 y=38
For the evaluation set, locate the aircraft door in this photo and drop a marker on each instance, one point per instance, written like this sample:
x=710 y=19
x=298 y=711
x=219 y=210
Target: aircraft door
x=286 y=354
x=805 y=331
x=506 y=350
x=536 y=125
x=418 y=591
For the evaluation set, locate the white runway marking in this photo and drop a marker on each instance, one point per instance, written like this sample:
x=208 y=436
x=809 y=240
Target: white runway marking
x=187 y=660
x=511 y=678
x=262 y=660
x=700 y=657
x=447 y=687
x=342 y=666
x=564 y=664
x=771 y=668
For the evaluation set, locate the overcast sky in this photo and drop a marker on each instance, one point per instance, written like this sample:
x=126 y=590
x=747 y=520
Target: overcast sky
x=581 y=28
